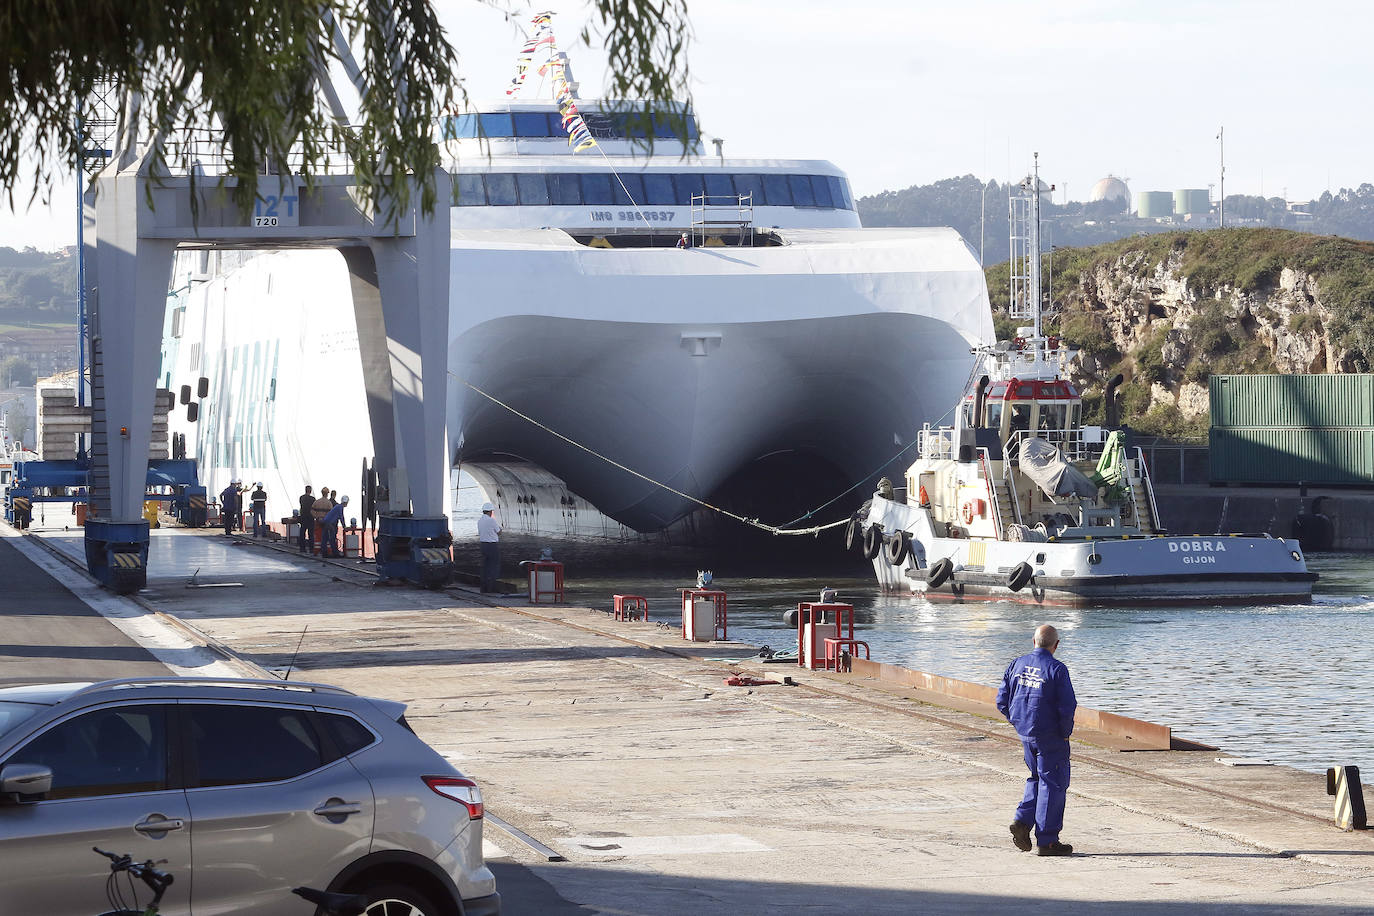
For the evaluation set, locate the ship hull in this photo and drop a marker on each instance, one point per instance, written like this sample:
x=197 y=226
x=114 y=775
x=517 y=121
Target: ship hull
x=599 y=393
x=646 y=380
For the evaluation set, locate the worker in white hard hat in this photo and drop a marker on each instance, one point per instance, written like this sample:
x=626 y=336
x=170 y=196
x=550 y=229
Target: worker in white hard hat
x=488 y=541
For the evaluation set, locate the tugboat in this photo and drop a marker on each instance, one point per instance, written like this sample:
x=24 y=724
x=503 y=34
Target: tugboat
x=1018 y=500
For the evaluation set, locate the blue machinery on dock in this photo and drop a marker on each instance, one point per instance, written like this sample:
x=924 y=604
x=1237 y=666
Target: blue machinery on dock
x=418 y=549
x=117 y=554
x=116 y=551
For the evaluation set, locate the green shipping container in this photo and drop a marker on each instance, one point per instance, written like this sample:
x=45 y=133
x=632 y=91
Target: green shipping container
x=1288 y=456
x=1292 y=401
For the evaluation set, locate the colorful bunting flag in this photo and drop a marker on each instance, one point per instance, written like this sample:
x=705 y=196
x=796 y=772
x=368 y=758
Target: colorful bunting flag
x=579 y=137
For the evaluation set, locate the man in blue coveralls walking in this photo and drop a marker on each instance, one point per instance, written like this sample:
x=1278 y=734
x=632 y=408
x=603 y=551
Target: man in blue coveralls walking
x=1037 y=698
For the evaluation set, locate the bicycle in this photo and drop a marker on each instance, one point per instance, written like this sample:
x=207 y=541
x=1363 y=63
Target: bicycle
x=147 y=872
x=328 y=904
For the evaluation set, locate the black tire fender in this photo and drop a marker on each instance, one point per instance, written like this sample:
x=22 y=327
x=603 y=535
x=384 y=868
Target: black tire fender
x=851 y=535
x=873 y=542
x=1020 y=576
x=897 y=548
x=939 y=571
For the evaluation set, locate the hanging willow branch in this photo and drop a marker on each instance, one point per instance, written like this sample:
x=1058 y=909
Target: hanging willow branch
x=242 y=75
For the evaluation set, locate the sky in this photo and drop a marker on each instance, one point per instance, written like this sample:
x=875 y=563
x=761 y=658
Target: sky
x=907 y=92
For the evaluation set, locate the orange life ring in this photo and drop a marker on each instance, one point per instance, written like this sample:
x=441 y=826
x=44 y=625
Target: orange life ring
x=968 y=513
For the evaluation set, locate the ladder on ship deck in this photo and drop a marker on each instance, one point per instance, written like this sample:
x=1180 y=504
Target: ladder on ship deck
x=713 y=216
x=1138 y=478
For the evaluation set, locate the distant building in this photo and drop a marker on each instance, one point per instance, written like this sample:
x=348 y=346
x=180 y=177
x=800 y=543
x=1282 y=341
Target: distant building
x=1111 y=188
x=45 y=349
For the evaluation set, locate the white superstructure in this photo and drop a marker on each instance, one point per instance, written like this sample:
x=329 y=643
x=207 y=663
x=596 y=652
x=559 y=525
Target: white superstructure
x=784 y=356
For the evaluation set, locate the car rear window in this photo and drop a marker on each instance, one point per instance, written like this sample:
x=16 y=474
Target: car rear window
x=241 y=745
x=349 y=735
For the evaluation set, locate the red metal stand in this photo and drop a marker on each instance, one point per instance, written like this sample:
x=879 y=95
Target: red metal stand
x=694 y=627
x=546 y=581
x=822 y=630
x=630 y=607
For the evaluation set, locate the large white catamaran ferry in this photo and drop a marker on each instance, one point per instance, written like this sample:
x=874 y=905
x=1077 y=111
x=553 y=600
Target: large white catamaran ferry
x=722 y=327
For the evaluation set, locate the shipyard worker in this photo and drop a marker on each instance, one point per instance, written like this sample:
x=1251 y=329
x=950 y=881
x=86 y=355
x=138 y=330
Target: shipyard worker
x=488 y=541
x=318 y=511
x=229 y=506
x=307 y=532
x=1037 y=698
x=329 y=544
x=334 y=501
x=684 y=242
x=259 y=509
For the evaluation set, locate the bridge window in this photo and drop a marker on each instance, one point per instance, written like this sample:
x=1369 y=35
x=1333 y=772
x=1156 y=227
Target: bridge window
x=1020 y=417
x=839 y=192
x=531 y=189
x=658 y=189
x=534 y=189
x=777 y=190
x=688 y=184
x=751 y=185
x=498 y=124
x=460 y=127
x=992 y=418
x=564 y=190
x=533 y=124
x=501 y=190
x=821 y=188
x=471 y=190
x=1053 y=416
x=596 y=188
x=719 y=184
x=634 y=184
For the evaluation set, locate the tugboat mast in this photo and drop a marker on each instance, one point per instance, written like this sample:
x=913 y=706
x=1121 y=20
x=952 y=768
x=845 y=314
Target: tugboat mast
x=1025 y=250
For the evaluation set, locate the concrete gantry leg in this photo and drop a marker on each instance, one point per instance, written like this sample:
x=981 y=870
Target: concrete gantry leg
x=129 y=301
x=409 y=293
x=128 y=292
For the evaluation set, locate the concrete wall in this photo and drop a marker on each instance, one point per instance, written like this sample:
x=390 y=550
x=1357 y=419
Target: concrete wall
x=1257 y=510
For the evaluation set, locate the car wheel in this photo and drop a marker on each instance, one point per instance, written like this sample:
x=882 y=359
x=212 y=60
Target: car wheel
x=397 y=900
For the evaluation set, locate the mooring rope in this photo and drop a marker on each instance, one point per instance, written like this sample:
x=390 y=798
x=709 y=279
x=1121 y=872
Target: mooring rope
x=752 y=522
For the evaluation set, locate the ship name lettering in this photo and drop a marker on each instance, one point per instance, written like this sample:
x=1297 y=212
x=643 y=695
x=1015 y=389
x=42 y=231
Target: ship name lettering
x=1198 y=559
x=1197 y=546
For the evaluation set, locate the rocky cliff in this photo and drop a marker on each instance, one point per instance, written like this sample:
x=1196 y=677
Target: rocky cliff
x=1167 y=311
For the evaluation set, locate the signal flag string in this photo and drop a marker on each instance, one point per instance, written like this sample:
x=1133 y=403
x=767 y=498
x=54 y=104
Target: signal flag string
x=752 y=522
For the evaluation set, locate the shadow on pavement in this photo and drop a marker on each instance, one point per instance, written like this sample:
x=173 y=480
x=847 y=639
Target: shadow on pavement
x=525 y=891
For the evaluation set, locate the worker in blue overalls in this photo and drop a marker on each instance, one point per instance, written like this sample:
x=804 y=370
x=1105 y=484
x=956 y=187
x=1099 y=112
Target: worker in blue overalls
x=1037 y=698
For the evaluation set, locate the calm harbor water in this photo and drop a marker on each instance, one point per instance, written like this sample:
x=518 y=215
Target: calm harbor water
x=1286 y=684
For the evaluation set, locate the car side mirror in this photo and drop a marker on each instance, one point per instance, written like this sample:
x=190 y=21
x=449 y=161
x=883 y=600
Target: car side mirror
x=24 y=782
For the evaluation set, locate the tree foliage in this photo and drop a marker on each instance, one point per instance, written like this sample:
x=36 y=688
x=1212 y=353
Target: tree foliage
x=16 y=372
x=242 y=77
x=36 y=287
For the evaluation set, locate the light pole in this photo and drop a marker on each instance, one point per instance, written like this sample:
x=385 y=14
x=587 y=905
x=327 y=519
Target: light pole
x=1221 y=199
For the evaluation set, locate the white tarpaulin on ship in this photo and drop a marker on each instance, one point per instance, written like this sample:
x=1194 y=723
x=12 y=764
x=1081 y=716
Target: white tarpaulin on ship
x=1045 y=464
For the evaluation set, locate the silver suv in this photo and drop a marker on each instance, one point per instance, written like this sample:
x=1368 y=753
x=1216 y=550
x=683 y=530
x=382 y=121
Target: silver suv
x=246 y=788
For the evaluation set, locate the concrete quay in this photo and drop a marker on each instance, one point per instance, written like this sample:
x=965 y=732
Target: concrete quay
x=617 y=747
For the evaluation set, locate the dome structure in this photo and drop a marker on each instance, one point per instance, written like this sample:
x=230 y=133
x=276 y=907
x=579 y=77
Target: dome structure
x=1110 y=188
